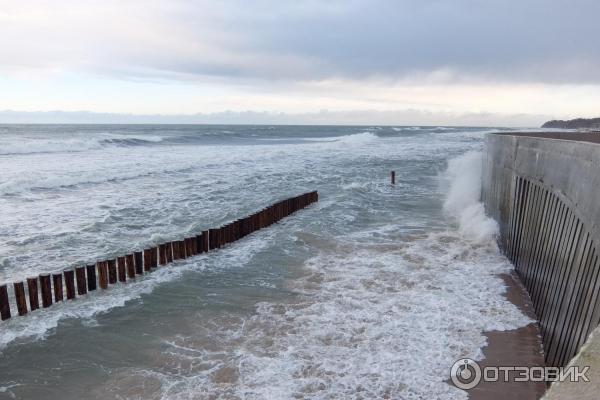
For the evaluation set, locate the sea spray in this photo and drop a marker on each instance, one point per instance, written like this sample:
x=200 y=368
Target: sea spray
x=462 y=198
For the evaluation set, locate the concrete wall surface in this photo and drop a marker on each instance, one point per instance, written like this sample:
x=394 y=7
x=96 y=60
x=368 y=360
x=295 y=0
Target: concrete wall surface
x=545 y=194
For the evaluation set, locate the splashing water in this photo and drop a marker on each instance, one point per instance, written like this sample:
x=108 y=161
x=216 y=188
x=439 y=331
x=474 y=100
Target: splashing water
x=462 y=201
x=372 y=293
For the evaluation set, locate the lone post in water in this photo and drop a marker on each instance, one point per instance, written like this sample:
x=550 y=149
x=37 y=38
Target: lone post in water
x=393 y=177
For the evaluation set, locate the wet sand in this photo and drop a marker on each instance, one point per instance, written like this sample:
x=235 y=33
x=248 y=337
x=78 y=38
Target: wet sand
x=519 y=347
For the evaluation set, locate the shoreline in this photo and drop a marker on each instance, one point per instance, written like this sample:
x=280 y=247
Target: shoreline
x=517 y=347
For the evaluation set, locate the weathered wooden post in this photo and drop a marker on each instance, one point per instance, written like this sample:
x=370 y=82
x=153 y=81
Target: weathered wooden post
x=199 y=244
x=211 y=239
x=162 y=253
x=393 y=177
x=205 y=241
x=169 y=246
x=32 y=288
x=81 y=281
x=236 y=229
x=57 y=282
x=175 y=250
x=147 y=260
x=194 y=240
x=4 y=304
x=102 y=274
x=188 y=246
x=182 y=249
x=130 y=266
x=112 y=271
x=46 y=289
x=154 y=257
x=20 y=298
x=121 y=269
x=70 y=284
x=91 y=277
x=139 y=262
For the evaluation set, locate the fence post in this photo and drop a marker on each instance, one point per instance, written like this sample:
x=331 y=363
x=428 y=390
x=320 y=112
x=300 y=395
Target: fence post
x=46 y=289
x=4 y=304
x=20 y=298
x=102 y=274
x=153 y=257
x=182 y=250
x=139 y=262
x=112 y=271
x=147 y=260
x=130 y=266
x=91 y=277
x=57 y=281
x=162 y=253
x=121 y=269
x=169 y=247
x=70 y=284
x=32 y=288
x=81 y=281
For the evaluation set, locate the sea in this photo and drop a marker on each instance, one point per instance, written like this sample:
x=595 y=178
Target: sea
x=371 y=293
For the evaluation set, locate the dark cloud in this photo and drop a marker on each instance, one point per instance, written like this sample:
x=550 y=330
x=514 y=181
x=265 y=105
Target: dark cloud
x=526 y=40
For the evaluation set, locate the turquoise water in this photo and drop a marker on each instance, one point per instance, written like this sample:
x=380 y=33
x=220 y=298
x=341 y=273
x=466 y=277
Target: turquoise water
x=371 y=293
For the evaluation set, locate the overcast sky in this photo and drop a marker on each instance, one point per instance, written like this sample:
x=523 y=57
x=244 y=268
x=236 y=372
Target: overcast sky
x=494 y=62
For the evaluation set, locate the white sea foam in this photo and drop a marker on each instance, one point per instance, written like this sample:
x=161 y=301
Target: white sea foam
x=36 y=145
x=27 y=146
x=375 y=322
x=359 y=138
x=355 y=138
x=407 y=128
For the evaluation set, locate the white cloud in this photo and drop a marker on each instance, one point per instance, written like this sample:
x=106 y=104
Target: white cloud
x=182 y=56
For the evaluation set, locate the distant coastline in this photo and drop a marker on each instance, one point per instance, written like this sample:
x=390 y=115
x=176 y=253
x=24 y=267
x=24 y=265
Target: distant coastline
x=578 y=123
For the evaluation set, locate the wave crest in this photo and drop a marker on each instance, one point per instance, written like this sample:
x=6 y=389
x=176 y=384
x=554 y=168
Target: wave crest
x=462 y=199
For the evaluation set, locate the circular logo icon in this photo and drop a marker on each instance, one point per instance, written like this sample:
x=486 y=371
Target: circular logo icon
x=465 y=373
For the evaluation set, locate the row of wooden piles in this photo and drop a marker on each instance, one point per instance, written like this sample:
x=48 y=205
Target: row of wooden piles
x=56 y=287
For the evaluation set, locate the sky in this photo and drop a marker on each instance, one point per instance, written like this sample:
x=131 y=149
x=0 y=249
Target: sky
x=404 y=62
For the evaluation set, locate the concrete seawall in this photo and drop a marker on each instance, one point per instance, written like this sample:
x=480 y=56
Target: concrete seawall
x=544 y=191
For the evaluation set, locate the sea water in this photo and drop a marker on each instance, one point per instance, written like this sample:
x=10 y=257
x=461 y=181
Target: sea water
x=373 y=292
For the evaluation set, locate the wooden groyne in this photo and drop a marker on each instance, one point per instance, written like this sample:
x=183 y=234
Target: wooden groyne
x=70 y=284
x=544 y=192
